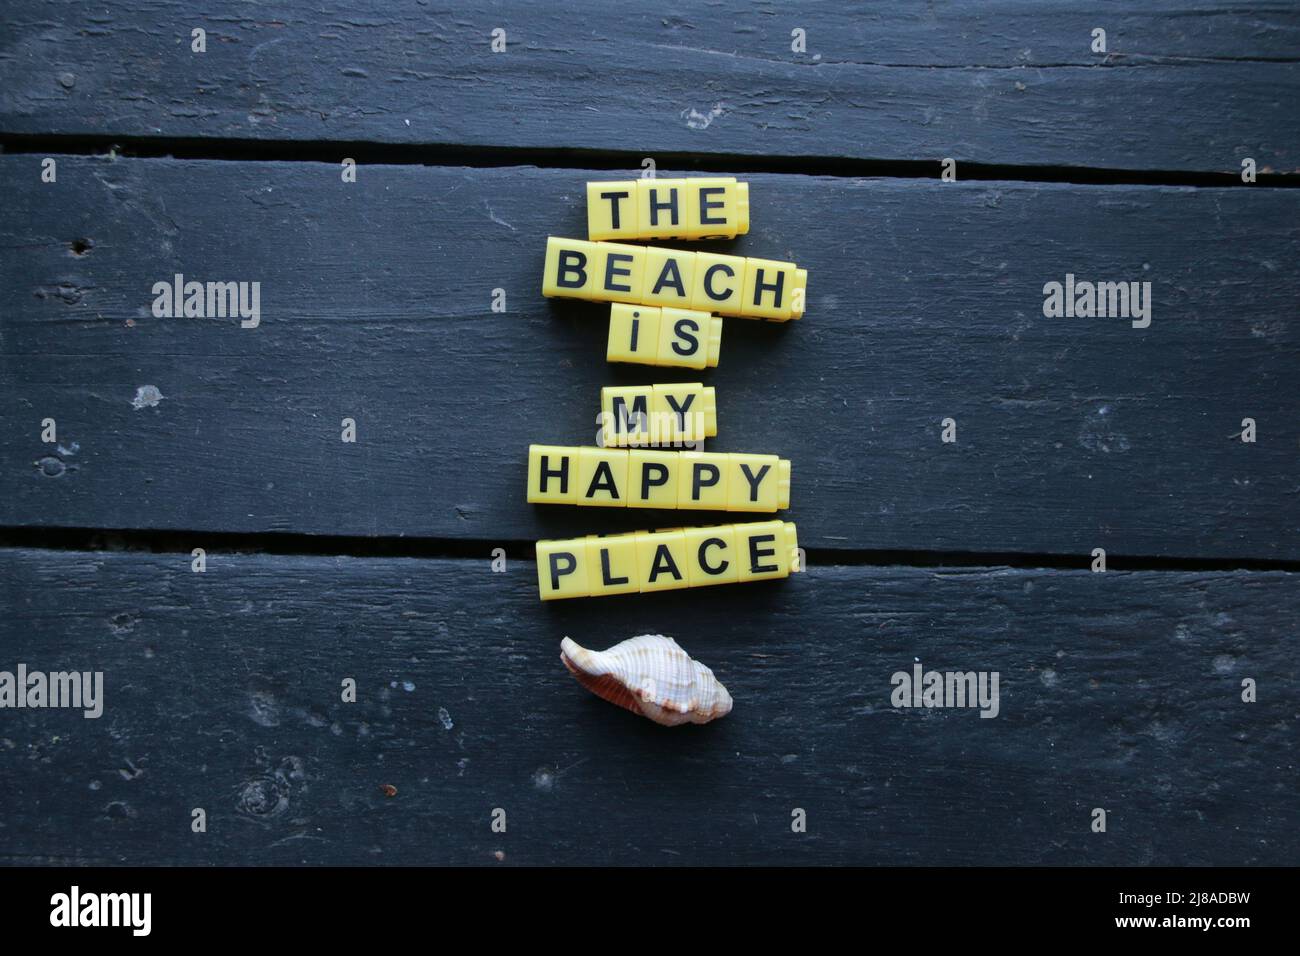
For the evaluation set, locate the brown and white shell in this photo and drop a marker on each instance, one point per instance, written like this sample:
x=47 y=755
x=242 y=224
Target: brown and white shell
x=650 y=675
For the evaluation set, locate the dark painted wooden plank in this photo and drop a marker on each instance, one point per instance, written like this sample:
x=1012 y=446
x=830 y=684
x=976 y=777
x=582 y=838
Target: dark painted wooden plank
x=1184 y=86
x=925 y=303
x=222 y=690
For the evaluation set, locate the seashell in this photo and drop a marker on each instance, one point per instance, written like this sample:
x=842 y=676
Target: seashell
x=650 y=675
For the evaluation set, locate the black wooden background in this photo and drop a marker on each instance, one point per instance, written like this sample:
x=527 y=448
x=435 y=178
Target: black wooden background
x=373 y=561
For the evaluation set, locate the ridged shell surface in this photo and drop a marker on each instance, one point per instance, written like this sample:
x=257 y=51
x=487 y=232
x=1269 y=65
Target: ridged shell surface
x=652 y=676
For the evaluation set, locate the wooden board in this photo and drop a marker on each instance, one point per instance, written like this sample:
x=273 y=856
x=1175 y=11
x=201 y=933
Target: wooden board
x=1182 y=87
x=925 y=303
x=222 y=691
x=369 y=560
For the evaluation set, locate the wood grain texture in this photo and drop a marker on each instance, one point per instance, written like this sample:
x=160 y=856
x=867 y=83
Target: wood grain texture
x=1184 y=86
x=222 y=691
x=925 y=302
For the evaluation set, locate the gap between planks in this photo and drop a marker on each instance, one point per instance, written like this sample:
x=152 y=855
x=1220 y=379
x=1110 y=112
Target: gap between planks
x=398 y=154
x=355 y=546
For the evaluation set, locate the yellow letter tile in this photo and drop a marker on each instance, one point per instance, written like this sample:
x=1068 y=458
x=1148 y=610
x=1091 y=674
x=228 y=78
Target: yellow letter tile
x=661 y=560
x=661 y=208
x=633 y=334
x=611 y=210
x=626 y=414
x=652 y=479
x=684 y=412
x=711 y=556
x=719 y=281
x=562 y=569
x=611 y=564
x=669 y=277
x=682 y=338
x=757 y=483
x=702 y=481
x=716 y=208
x=570 y=268
x=618 y=271
x=552 y=475
x=773 y=290
x=766 y=549
x=602 y=477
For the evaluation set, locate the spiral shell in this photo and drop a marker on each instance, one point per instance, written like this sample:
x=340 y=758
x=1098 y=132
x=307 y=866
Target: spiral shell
x=650 y=675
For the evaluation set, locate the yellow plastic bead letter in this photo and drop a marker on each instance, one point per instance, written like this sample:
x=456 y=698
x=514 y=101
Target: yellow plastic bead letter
x=688 y=338
x=719 y=281
x=552 y=475
x=773 y=290
x=611 y=564
x=767 y=550
x=661 y=559
x=652 y=479
x=757 y=483
x=669 y=277
x=711 y=556
x=562 y=569
x=602 y=477
x=611 y=210
x=702 y=481
x=633 y=334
